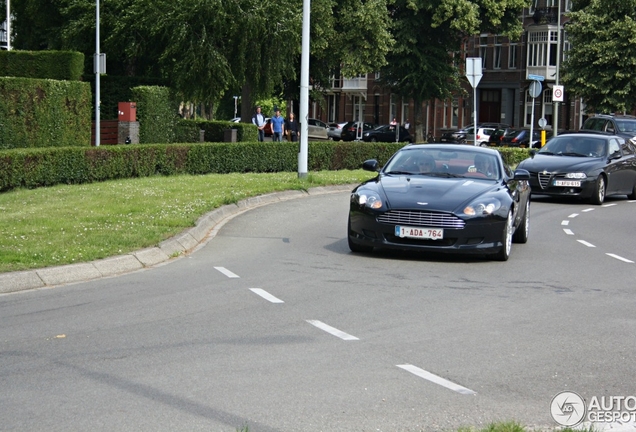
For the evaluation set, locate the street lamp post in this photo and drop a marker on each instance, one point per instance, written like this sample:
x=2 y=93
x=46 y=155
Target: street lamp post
x=8 y=25
x=558 y=62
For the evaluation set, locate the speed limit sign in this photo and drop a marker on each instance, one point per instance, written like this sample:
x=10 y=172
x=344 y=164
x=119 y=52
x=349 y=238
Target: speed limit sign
x=557 y=93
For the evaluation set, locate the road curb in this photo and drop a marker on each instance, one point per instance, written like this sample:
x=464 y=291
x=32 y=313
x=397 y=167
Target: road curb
x=183 y=243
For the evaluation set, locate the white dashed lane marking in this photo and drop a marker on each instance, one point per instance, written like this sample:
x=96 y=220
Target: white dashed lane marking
x=588 y=244
x=334 y=331
x=565 y=222
x=267 y=296
x=226 y=272
x=620 y=258
x=436 y=379
x=568 y=231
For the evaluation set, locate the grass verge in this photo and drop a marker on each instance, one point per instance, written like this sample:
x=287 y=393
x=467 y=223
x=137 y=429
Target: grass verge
x=78 y=223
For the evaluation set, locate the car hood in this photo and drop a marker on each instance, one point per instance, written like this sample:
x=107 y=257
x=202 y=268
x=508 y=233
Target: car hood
x=423 y=192
x=554 y=163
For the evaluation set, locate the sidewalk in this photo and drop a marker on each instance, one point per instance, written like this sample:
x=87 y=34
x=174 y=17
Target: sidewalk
x=186 y=242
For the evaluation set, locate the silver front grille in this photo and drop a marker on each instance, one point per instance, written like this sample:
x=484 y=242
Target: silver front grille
x=544 y=179
x=421 y=218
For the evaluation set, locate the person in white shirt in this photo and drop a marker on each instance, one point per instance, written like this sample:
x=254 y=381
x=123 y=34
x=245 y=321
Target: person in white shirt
x=259 y=120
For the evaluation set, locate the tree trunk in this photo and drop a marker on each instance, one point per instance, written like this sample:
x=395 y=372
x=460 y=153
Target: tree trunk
x=247 y=110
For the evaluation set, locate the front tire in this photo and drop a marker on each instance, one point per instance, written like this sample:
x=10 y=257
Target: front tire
x=632 y=195
x=506 y=247
x=523 y=230
x=599 y=191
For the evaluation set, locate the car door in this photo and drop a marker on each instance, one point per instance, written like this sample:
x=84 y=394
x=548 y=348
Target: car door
x=621 y=170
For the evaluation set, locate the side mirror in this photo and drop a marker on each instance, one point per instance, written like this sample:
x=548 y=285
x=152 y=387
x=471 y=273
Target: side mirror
x=521 y=174
x=371 y=165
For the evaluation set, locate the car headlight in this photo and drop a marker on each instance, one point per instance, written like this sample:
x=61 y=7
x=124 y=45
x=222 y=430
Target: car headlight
x=367 y=199
x=577 y=175
x=366 y=134
x=482 y=207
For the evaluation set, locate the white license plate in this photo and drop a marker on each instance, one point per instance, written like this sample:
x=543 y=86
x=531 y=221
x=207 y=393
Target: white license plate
x=419 y=233
x=568 y=183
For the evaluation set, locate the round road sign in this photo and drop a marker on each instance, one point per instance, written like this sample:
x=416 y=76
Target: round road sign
x=535 y=89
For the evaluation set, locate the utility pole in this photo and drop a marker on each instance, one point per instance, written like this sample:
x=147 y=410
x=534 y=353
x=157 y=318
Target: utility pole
x=558 y=63
x=8 y=25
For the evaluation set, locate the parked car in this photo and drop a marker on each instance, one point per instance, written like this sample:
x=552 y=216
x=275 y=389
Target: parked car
x=387 y=133
x=483 y=135
x=317 y=129
x=495 y=138
x=352 y=130
x=465 y=135
x=236 y=120
x=453 y=136
x=441 y=198
x=621 y=125
x=584 y=165
x=335 y=130
x=268 y=127
x=521 y=138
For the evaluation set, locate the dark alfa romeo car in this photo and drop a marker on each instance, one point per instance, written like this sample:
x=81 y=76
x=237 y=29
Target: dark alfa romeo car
x=441 y=198
x=583 y=165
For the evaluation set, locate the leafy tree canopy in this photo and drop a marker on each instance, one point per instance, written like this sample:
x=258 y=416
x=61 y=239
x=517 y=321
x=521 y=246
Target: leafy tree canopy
x=600 y=65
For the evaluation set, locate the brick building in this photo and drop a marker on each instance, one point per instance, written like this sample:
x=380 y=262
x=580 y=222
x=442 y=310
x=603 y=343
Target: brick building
x=501 y=94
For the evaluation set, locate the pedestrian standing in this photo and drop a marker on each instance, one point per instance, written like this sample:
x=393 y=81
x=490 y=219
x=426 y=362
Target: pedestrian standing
x=259 y=121
x=278 y=126
x=291 y=126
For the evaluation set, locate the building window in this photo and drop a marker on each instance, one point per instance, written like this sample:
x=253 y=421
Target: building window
x=566 y=46
x=528 y=113
x=546 y=109
x=377 y=75
x=405 y=111
x=483 y=50
x=358 y=108
x=512 y=56
x=537 y=48
x=496 y=55
x=393 y=113
x=331 y=107
x=455 y=112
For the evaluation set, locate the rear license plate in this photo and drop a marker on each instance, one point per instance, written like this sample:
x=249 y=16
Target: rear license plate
x=419 y=233
x=567 y=183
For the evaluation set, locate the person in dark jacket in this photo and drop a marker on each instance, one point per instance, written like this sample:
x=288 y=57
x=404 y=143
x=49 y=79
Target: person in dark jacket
x=291 y=126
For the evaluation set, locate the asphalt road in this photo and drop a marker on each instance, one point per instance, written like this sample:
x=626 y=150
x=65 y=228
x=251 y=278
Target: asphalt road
x=275 y=325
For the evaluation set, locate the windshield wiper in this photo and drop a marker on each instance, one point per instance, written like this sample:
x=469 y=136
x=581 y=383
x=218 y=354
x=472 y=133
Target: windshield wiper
x=573 y=154
x=400 y=172
x=545 y=153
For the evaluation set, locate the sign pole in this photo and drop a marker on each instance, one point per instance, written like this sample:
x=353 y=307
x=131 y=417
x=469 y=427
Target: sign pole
x=474 y=74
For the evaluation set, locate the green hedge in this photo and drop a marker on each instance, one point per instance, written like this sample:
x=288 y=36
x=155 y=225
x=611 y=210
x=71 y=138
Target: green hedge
x=57 y=65
x=156 y=114
x=44 y=113
x=33 y=168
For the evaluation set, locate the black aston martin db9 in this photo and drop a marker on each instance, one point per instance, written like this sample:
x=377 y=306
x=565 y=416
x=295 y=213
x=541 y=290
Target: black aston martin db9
x=441 y=198
x=583 y=165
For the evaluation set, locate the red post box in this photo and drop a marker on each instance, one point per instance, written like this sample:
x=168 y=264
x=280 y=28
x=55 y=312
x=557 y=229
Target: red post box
x=127 y=111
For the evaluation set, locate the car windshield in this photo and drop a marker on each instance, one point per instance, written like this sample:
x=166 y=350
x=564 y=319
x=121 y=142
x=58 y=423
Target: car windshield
x=626 y=125
x=444 y=163
x=574 y=145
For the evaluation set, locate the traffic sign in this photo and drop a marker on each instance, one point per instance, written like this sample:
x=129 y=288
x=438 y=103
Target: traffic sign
x=543 y=123
x=473 y=70
x=535 y=89
x=557 y=93
x=536 y=77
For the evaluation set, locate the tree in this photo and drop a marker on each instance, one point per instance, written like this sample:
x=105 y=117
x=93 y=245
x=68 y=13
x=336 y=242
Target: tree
x=600 y=65
x=425 y=62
